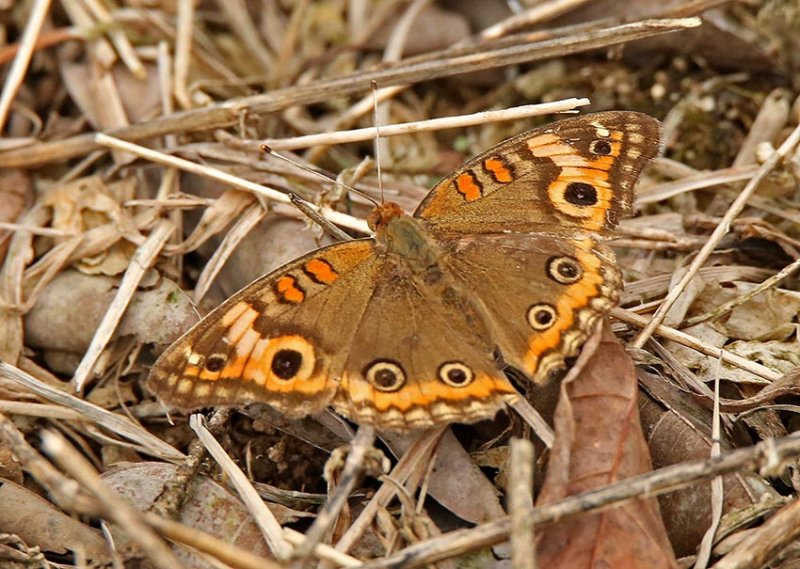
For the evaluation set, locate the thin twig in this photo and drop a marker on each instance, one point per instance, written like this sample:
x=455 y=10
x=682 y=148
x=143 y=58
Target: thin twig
x=114 y=507
x=139 y=263
x=227 y=113
x=361 y=134
x=769 y=454
x=739 y=300
x=201 y=170
x=758 y=370
x=361 y=443
x=26 y=46
x=520 y=505
x=117 y=424
x=716 y=236
x=263 y=516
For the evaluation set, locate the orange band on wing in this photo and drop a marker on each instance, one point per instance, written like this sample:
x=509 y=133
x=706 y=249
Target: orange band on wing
x=288 y=291
x=576 y=296
x=468 y=186
x=320 y=271
x=499 y=171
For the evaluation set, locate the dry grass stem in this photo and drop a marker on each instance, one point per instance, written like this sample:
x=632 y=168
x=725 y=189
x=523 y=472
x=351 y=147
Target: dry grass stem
x=207 y=171
x=227 y=113
x=117 y=424
x=520 y=505
x=361 y=443
x=726 y=307
x=16 y=74
x=361 y=134
x=114 y=508
x=762 y=374
x=144 y=257
x=770 y=453
x=269 y=526
x=716 y=236
x=535 y=420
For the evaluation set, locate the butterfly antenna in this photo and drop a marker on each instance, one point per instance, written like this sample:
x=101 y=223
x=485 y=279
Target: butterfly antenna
x=327 y=177
x=374 y=88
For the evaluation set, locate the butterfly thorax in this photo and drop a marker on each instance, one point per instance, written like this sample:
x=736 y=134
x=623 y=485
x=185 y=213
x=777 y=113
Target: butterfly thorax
x=397 y=233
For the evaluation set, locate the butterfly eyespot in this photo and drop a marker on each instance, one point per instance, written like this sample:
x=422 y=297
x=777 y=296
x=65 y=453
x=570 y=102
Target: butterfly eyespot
x=541 y=316
x=601 y=147
x=580 y=194
x=215 y=363
x=564 y=270
x=385 y=375
x=286 y=363
x=456 y=374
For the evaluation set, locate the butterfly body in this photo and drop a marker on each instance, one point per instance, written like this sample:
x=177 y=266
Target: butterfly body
x=403 y=330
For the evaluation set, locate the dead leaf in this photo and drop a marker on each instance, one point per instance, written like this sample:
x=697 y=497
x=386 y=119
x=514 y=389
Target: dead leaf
x=598 y=442
x=39 y=523
x=679 y=429
x=88 y=203
x=474 y=498
x=209 y=507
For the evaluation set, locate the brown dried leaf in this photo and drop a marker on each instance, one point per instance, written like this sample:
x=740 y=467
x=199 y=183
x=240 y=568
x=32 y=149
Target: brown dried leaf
x=41 y=524
x=593 y=449
x=683 y=432
x=88 y=203
x=474 y=498
x=209 y=507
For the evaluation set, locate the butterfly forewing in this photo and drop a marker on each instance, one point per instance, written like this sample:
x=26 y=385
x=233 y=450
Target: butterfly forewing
x=574 y=176
x=278 y=340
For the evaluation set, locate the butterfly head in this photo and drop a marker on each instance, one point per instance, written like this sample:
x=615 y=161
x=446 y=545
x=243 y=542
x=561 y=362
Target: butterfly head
x=382 y=215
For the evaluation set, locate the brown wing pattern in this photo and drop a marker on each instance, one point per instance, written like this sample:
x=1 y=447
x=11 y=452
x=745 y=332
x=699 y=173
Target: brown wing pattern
x=574 y=176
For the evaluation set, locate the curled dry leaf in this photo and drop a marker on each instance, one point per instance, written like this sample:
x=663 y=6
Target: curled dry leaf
x=677 y=430
x=70 y=308
x=769 y=315
x=593 y=449
x=209 y=507
x=88 y=203
x=474 y=498
x=40 y=524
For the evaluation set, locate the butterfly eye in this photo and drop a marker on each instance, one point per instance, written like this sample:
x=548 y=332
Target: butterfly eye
x=564 y=270
x=541 y=316
x=385 y=375
x=456 y=374
x=602 y=147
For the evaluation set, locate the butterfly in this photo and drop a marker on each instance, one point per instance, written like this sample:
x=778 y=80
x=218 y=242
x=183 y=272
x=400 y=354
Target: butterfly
x=502 y=264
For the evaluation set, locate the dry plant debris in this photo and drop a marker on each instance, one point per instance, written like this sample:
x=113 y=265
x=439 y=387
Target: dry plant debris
x=134 y=196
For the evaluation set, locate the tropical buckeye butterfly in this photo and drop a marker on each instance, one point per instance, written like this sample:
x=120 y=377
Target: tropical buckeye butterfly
x=403 y=330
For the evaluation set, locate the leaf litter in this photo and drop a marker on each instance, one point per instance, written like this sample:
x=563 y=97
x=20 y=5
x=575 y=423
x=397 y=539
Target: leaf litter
x=207 y=83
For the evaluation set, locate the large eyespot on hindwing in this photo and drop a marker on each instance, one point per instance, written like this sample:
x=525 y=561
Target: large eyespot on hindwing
x=290 y=358
x=564 y=270
x=542 y=316
x=456 y=374
x=385 y=375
